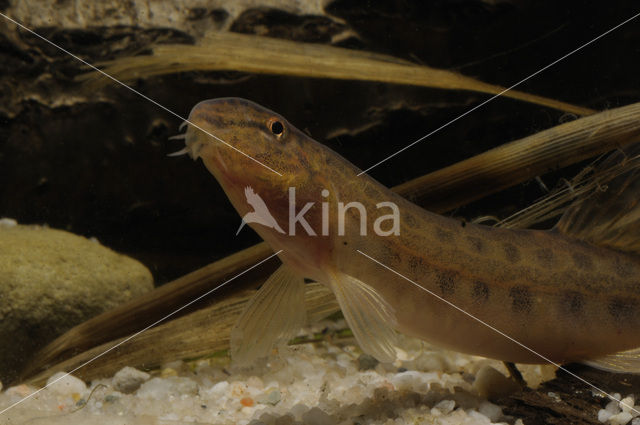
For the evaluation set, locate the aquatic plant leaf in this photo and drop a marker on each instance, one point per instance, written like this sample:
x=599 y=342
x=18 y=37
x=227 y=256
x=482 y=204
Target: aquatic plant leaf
x=265 y=55
x=610 y=215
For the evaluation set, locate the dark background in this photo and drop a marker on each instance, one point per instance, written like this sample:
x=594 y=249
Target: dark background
x=98 y=167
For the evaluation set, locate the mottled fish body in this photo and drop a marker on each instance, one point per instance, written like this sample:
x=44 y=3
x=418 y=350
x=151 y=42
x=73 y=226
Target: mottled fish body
x=564 y=298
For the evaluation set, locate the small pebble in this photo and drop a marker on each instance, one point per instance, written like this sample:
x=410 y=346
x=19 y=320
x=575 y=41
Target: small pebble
x=167 y=372
x=613 y=407
x=255 y=382
x=410 y=381
x=554 y=396
x=367 y=362
x=129 y=379
x=271 y=397
x=492 y=384
x=626 y=404
x=445 y=406
x=298 y=410
x=157 y=388
x=287 y=419
x=604 y=415
x=491 y=411
x=8 y=222
x=265 y=418
x=316 y=416
x=247 y=401
x=621 y=418
x=63 y=384
x=21 y=390
x=110 y=398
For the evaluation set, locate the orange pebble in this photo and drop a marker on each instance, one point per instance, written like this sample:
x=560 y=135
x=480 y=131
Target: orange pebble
x=247 y=401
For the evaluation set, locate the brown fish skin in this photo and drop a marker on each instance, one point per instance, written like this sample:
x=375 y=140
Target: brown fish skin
x=562 y=298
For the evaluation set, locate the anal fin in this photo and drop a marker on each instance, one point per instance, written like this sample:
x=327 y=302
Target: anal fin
x=272 y=317
x=371 y=319
x=622 y=362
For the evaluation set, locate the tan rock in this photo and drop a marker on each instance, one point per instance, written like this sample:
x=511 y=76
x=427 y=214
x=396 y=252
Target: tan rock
x=52 y=280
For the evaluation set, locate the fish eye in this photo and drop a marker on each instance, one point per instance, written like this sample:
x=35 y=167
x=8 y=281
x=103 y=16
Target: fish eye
x=276 y=127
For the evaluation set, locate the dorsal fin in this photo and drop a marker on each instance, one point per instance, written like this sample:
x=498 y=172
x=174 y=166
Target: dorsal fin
x=610 y=215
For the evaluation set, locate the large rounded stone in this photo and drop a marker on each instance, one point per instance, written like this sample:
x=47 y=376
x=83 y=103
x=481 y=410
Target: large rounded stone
x=52 y=280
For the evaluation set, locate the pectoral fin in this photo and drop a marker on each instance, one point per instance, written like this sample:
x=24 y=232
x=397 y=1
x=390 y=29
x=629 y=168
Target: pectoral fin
x=370 y=317
x=273 y=316
x=622 y=362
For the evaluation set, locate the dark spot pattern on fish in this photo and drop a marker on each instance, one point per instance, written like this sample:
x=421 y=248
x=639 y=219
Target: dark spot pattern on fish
x=545 y=257
x=622 y=309
x=477 y=244
x=582 y=261
x=214 y=120
x=480 y=292
x=446 y=282
x=572 y=302
x=511 y=253
x=409 y=220
x=415 y=264
x=391 y=255
x=623 y=267
x=521 y=301
x=444 y=236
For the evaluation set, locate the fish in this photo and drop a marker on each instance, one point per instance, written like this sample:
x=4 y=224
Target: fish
x=518 y=295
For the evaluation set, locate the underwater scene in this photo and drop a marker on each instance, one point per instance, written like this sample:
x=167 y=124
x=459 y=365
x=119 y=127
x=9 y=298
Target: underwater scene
x=319 y=212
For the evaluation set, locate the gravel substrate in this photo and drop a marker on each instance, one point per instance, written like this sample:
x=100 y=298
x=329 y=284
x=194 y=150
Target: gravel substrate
x=317 y=384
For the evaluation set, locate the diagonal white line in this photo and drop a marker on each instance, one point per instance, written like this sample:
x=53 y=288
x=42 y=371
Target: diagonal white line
x=136 y=92
x=141 y=331
x=497 y=331
x=501 y=93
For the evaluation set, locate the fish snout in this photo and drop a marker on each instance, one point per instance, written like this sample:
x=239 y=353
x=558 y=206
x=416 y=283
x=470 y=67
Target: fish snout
x=192 y=141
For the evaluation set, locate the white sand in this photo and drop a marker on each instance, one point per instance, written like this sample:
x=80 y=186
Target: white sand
x=315 y=384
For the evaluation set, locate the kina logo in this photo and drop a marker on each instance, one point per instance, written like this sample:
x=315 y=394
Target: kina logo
x=260 y=213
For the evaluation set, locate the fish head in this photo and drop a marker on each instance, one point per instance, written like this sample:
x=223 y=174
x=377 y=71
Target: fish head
x=246 y=146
